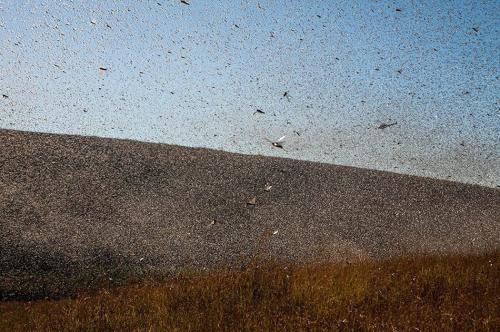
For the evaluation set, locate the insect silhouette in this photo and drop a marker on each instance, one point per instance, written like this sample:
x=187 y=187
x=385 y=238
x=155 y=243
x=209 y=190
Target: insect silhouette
x=386 y=125
x=278 y=143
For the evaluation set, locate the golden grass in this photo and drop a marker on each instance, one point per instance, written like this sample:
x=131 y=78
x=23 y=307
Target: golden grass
x=413 y=294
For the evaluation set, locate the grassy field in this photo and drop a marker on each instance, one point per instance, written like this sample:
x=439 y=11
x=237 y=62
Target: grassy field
x=454 y=293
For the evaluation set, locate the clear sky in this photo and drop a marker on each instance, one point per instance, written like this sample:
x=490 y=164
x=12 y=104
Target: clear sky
x=195 y=74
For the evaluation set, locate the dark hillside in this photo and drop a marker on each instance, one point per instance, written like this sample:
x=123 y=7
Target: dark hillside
x=76 y=205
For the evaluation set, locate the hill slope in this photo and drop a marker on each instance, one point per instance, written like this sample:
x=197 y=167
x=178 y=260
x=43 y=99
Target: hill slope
x=68 y=202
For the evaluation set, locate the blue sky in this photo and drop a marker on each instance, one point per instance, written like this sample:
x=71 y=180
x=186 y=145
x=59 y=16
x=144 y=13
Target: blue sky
x=194 y=75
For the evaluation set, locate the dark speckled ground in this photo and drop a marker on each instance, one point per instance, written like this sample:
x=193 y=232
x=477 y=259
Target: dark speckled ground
x=69 y=204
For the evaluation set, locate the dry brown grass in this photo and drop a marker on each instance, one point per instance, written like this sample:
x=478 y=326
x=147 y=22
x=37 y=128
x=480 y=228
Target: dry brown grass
x=414 y=294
